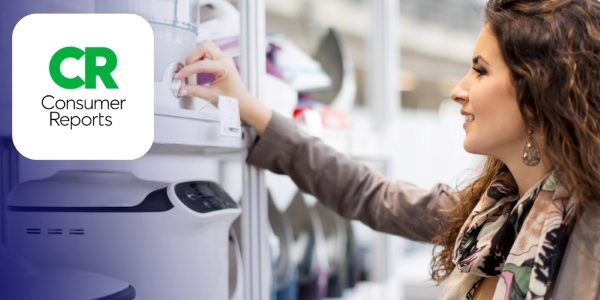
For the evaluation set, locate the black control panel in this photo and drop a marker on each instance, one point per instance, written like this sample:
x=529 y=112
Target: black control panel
x=203 y=196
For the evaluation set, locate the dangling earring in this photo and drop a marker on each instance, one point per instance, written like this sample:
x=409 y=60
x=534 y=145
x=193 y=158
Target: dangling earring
x=531 y=152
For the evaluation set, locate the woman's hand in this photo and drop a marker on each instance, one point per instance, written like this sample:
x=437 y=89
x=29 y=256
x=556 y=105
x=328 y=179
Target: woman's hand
x=208 y=58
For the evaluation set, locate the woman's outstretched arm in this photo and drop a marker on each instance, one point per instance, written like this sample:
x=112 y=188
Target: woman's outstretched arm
x=349 y=188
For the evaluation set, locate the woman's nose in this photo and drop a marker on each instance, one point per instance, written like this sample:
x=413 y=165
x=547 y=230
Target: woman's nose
x=460 y=94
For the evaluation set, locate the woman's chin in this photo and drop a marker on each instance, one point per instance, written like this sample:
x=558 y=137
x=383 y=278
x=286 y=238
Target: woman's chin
x=471 y=148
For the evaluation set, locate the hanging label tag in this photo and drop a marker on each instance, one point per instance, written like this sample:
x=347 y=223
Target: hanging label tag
x=229 y=111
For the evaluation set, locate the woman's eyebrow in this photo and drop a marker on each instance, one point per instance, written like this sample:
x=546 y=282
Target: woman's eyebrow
x=477 y=58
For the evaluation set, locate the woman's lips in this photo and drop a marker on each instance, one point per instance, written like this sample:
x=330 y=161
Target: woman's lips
x=469 y=118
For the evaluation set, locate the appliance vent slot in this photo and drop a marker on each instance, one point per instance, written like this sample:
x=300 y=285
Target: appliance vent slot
x=54 y=231
x=34 y=231
x=77 y=231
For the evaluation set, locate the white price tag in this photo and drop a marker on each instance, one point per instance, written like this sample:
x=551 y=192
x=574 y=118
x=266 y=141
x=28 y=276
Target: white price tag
x=229 y=111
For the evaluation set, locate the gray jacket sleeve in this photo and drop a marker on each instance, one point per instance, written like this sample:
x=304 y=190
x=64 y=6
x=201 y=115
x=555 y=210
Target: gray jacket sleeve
x=349 y=188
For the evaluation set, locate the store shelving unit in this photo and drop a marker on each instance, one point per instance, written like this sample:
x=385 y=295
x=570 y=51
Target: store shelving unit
x=257 y=274
x=384 y=50
x=200 y=136
x=384 y=106
x=179 y=131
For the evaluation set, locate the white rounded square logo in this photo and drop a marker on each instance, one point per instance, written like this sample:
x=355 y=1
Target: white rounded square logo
x=83 y=86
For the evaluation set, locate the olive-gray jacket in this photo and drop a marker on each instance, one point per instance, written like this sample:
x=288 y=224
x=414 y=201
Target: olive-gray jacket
x=399 y=208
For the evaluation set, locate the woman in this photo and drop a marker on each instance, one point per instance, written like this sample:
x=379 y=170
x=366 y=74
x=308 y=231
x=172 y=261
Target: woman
x=527 y=228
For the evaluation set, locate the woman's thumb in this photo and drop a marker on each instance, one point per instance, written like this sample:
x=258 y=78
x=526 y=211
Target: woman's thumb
x=197 y=91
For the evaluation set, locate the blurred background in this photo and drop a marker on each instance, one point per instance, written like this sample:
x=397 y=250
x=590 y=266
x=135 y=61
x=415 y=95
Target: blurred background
x=333 y=57
x=434 y=39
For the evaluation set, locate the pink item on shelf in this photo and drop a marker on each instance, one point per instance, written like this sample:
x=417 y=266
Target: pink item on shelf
x=230 y=45
x=205 y=78
x=228 y=42
x=330 y=118
x=334 y=119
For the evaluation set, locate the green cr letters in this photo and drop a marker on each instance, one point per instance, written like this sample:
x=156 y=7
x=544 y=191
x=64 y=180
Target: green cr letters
x=91 y=69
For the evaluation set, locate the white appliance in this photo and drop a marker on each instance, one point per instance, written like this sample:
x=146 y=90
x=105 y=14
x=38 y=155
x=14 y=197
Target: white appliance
x=175 y=25
x=19 y=279
x=170 y=241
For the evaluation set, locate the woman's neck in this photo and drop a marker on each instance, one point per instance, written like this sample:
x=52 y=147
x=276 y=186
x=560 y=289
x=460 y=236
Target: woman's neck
x=526 y=176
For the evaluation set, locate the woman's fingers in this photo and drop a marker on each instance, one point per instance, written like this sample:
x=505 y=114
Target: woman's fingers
x=203 y=66
x=206 y=49
x=208 y=58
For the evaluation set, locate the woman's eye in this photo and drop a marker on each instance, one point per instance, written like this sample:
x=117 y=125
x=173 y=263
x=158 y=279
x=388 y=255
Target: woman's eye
x=479 y=71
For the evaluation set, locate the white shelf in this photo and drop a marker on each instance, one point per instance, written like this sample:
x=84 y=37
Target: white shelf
x=181 y=131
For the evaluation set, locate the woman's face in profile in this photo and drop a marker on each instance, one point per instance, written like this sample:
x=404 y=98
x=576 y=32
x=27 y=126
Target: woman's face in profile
x=493 y=123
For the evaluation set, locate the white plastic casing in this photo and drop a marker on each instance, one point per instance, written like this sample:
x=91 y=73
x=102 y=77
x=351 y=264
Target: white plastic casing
x=173 y=254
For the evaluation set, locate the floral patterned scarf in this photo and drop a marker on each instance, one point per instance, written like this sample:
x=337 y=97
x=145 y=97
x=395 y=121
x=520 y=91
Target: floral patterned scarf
x=522 y=240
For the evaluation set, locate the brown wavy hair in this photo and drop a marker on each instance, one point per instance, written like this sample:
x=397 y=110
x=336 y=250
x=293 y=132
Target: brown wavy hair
x=552 y=48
